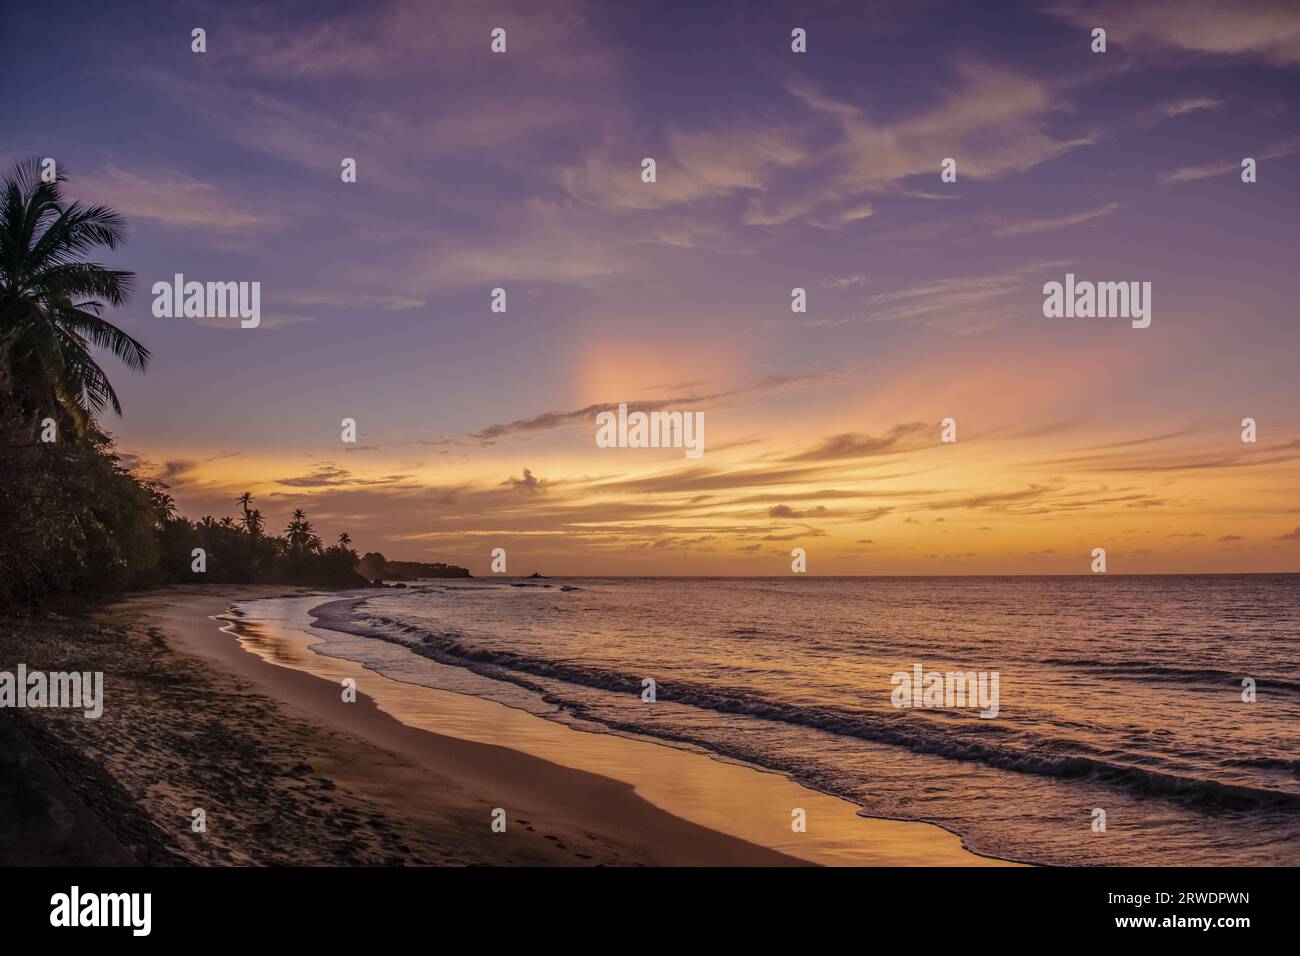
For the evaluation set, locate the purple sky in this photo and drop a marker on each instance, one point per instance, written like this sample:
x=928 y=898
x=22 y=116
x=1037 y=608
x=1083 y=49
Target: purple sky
x=775 y=170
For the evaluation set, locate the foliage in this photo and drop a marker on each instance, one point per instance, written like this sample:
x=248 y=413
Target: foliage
x=73 y=519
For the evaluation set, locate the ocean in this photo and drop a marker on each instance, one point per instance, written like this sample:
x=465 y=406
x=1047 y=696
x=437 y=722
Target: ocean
x=1123 y=732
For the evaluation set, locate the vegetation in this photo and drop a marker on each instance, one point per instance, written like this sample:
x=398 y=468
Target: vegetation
x=375 y=567
x=242 y=553
x=73 y=519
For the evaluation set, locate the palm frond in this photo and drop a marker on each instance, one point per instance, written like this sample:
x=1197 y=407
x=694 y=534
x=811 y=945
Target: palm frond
x=51 y=298
x=105 y=334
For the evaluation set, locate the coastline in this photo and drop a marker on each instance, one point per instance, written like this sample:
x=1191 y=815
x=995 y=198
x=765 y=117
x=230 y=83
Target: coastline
x=289 y=773
x=724 y=795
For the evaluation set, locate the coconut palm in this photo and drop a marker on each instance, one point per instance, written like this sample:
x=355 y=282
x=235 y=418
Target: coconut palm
x=250 y=525
x=299 y=532
x=345 y=539
x=51 y=298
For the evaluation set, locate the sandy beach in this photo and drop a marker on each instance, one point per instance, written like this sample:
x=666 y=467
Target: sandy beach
x=287 y=773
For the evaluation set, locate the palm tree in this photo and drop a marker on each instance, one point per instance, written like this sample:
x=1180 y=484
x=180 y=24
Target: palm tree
x=345 y=539
x=164 y=503
x=51 y=299
x=253 y=527
x=299 y=531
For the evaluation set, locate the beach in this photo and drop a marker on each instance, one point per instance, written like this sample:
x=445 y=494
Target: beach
x=1057 y=697
x=287 y=772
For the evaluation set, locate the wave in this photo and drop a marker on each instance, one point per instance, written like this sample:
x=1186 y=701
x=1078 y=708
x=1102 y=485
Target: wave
x=975 y=740
x=1192 y=675
x=1266 y=763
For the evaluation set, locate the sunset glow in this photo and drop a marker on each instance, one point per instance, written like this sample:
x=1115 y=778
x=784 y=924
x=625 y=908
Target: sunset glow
x=924 y=298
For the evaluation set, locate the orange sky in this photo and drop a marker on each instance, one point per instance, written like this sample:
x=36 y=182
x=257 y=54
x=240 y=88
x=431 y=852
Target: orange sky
x=847 y=467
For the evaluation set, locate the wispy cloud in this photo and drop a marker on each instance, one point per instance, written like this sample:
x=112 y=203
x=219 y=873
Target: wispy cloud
x=1181 y=107
x=172 y=199
x=994 y=118
x=586 y=415
x=1187 y=174
x=849 y=445
x=697 y=167
x=331 y=476
x=1267 y=30
x=1032 y=226
x=965 y=303
x=271 y=321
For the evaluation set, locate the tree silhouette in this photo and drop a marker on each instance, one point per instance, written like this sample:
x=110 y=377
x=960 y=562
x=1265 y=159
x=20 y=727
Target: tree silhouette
x=51 y=298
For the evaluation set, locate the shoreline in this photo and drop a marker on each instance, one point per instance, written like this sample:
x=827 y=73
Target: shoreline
x=289 y=773
x=560 y=815
x=746 y=802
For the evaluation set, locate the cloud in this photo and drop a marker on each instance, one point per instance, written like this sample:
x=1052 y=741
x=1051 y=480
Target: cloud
x=1190 y=460
x=1267 y=30
x=1187 y=174
x=696 y=167
x=547 y=421
x=682 y=509
x=904 y=437
x=542 y=244
x=175 y=473
x=1232 y=537
x=994 y=122
x=994 y=119
x=310 y=86
x=1191 y=104
x=1290 y=535
x=409 y=34
x=529 y=483
x=175 y=470
x=272 y=320
x=331 y=476
x=785 y=511
x=561 y=419
x=171 y=199
x=845 y=282
x=1146 y=440
x=388 y=303
x=1033 y=226
x=965 y=303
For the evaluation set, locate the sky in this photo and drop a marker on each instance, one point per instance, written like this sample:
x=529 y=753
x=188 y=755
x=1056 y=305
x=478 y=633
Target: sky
x=775 y=170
